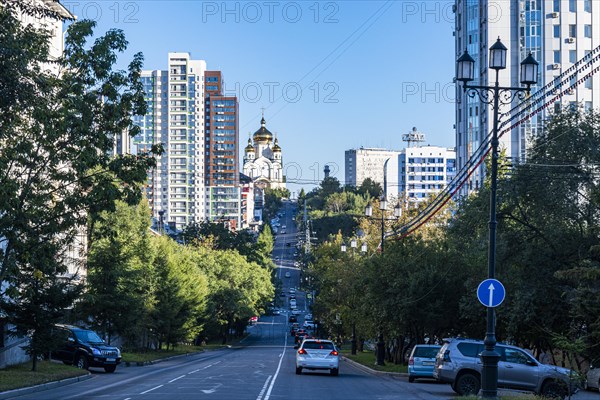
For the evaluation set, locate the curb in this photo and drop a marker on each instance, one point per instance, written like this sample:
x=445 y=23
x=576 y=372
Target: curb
x=374 y=371
x=44 y=386
x=143 y=363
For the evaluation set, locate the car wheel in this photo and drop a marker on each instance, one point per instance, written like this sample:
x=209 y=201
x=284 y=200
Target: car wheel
x=467 y=384
x=334 y=371
x=298 y=370
x=110 y=368
x=554 y=390
x=81 y=362
x=411 y=379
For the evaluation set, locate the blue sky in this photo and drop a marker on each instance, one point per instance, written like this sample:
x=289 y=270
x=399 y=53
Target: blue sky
x=331 y=75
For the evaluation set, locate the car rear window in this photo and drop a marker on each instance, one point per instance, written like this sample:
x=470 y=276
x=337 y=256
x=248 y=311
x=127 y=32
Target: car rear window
x=470 y=349
x=426 y=352
x=318 y=345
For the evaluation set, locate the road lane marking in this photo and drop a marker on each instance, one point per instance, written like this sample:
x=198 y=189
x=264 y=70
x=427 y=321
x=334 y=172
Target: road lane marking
x=276 y=372
x=154 y=388
x=262 y=391
x=173 y=380
x=194 y=371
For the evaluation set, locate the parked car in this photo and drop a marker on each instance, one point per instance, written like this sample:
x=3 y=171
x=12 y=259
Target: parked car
x=458 y=363
x=292 y=318
x=84 y=348
x=253 y=320
x=295 y=311
x=276 y=311
x=308 y=324
x=421 y=361
x=593 y=378
x=315 y=354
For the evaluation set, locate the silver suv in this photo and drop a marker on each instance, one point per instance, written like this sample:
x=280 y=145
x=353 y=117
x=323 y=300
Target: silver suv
x=458 y=363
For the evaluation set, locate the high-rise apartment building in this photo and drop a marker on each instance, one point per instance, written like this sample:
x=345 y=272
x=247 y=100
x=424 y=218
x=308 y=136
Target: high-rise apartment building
x=558 y=33
x=197 y=177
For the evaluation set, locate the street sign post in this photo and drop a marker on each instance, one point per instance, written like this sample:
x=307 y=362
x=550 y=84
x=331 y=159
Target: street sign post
x=491 y=293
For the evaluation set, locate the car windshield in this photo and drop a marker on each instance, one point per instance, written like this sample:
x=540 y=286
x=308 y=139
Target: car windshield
x=426 y=352
x=88 y=337
x=318 y=345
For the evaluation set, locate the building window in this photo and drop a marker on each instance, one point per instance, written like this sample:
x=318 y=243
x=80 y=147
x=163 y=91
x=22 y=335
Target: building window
x=587 y=5
x=556 y=31
x=572 y=30
x=573 y=5
x=556 y=5
x=557 y=56
x=587 y=31
x=573 y=56
x=588 y=106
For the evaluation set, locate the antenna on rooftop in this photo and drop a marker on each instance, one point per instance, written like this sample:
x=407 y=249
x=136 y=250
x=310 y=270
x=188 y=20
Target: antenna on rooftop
x=413 y=137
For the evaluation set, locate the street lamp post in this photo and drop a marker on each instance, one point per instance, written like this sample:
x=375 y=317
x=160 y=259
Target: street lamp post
x=494 y=95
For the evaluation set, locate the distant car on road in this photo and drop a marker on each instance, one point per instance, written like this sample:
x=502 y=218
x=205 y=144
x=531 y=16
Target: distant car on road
x=315 y=354
x=309 y=325
x=422 y=361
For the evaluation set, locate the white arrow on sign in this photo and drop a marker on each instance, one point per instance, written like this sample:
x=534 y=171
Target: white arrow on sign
x=491 y=288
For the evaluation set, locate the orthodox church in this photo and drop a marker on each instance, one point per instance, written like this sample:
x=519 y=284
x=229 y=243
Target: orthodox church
x=262 y=159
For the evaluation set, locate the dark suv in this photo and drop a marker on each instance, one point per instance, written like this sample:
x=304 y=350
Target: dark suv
x=84 y=348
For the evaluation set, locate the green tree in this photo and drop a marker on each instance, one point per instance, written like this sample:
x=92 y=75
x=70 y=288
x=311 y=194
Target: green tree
x=181 y=293
x=120 y=282
x=370 y=188
x=57 y=133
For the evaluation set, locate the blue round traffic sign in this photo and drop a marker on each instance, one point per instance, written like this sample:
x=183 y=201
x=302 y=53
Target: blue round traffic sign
x=491 y=293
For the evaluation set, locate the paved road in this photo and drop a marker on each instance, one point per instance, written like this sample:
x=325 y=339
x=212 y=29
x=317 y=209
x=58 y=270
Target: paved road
x=262 y=368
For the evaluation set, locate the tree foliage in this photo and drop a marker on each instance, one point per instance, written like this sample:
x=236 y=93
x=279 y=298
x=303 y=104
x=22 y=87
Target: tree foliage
x=58 y=119
x=547 y=256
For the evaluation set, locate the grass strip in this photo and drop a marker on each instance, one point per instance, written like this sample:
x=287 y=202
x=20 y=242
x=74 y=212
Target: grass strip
x=19 y=376
x=367 y=358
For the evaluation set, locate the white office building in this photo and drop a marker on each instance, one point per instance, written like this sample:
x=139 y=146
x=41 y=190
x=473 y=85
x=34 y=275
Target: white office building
x=558 y=33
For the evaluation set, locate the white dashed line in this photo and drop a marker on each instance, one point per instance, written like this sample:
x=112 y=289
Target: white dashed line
x=194 y=371
x=154 y=388
x=173 y=380
x=264 y=388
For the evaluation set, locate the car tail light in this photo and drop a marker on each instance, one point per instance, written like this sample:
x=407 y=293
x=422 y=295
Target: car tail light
x=447 y=356
x=411 y=361
x=333 y=353
x=302 y=351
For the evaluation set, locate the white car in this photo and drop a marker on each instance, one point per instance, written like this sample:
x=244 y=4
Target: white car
x=593 y=378
x=309 y=325
x=316 y=354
